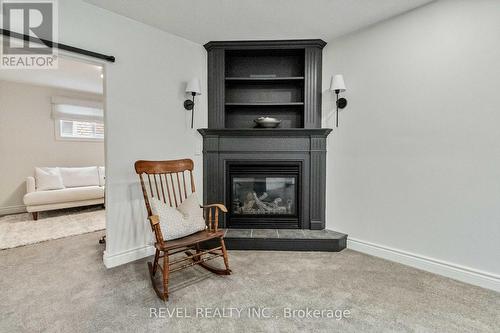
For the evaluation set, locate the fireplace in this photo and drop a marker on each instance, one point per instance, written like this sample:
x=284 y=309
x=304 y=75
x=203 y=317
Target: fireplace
x=263 y=194
x=271 y=161
x=268 y=178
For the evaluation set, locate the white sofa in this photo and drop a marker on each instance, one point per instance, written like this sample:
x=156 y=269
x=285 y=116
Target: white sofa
x=57 y=188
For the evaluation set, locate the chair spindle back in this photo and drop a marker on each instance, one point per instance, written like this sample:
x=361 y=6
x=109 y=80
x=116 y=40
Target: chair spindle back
x=165 y=181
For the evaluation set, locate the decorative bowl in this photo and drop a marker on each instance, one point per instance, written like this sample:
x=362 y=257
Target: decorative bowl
x=267 y=122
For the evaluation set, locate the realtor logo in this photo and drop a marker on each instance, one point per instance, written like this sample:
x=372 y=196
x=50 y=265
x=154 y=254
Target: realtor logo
x=32 y=28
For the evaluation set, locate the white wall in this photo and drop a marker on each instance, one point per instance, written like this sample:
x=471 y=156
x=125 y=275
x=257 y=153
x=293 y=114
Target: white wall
x=144 y=116
x=414 y=168
x=27 y=139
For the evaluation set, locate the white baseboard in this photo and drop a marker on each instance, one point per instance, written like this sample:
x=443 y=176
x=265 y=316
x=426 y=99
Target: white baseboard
x=12 y=209
x=457 y=272
x=121 y=258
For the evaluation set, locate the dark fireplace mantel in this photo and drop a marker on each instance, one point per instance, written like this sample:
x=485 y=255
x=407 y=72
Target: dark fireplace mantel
x=222 y=147
x=283 y=132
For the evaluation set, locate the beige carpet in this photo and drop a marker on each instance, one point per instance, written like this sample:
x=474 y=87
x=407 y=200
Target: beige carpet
x=63 y=286
x=20 y=229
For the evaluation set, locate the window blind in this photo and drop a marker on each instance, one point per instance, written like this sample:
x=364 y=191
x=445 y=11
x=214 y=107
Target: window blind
x=75 y=109
x=78 y=119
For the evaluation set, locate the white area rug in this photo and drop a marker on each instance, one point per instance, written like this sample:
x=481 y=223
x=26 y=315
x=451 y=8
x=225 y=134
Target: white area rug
x=20 y=229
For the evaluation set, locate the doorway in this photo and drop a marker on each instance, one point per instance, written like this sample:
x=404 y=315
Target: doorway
x=52 y=139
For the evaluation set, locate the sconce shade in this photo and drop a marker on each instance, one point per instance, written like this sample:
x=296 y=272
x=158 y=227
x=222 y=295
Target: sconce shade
x=338 y=83
x=194 y=87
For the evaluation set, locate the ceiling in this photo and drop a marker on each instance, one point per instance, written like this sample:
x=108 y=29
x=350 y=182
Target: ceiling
x=70 y=74
x=206 y=20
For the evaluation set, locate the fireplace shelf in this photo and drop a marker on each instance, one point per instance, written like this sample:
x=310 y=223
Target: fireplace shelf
x=283 y=78
x=264 y=103
x=283 y=132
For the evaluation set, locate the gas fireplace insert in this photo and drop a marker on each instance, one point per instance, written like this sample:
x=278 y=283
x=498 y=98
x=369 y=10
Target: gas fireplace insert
x=263 y=194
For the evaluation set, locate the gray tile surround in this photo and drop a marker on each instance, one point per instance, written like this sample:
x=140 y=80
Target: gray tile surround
x=283 y=233
x=238 y=233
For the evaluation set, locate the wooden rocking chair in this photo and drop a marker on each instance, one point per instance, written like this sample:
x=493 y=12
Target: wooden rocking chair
x=164 y=179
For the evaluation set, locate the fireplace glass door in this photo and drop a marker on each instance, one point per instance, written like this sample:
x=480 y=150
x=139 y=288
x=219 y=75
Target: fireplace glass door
x=261 y=195
x=264 y=195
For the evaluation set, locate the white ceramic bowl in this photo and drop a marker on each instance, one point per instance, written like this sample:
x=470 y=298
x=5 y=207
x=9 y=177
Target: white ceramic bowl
x=267 y=122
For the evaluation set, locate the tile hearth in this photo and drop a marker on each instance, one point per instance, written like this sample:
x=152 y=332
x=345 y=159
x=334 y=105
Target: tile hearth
x=285 y=240
x=283 y=233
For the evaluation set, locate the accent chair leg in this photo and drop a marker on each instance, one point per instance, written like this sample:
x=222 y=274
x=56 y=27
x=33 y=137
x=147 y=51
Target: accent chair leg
x=165 y=276
x=197 y=246
x=155 y=262
x=35 y=215
x=224 y=254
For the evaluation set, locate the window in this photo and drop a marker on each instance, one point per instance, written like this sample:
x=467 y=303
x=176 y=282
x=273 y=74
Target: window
x=74 y=129
x=78 y=120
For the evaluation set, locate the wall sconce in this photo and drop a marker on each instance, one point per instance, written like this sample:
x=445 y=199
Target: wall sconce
x=194 y=88
x=338 y=86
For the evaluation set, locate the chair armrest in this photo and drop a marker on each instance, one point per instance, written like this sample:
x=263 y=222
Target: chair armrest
x=30 y=184
x=212 y=219
x=154 y=219
x=220 y=206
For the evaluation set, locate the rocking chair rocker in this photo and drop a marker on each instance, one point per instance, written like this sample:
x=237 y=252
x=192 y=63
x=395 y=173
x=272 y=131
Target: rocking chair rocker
x=164 y=183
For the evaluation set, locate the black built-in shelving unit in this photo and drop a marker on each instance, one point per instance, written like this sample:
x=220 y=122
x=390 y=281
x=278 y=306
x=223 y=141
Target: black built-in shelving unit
x=249 y=79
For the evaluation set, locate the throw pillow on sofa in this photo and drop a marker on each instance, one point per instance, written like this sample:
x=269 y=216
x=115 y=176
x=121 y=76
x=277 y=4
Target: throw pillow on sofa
x=181 y=221
x=48 y=179
x=77 y=177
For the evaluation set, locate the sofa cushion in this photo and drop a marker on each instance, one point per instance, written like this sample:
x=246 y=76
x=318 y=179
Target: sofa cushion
x=48 y=179
x=181 y=221
x=102 y=174
x=64 y=195
x=76 y=177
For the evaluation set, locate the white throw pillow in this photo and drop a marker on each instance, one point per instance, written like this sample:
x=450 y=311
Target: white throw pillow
x=76 y=177
x=191 y=210
x=102 y=176
x=48 y=179
x=181 y=221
